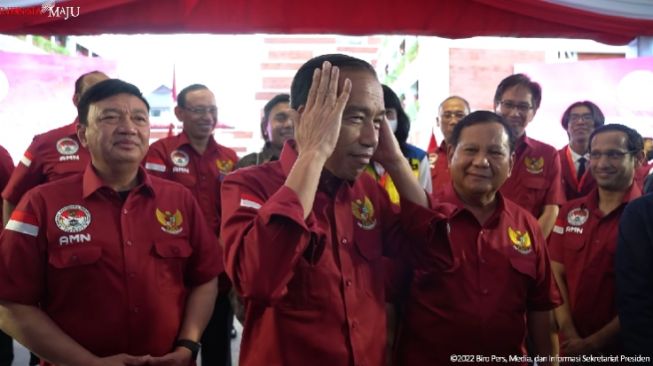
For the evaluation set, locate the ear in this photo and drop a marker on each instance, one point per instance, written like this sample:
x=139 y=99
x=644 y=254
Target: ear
x=76 y=97
x=511 y=163
x=81 y=134
x=640 y=159
x=178 y=113
x=450 y=151
x=437 y=121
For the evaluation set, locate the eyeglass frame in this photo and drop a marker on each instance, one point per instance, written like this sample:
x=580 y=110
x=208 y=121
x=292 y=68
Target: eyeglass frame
x=612 y=155
x=585 y=117
x=520 y=107
x=200 y=111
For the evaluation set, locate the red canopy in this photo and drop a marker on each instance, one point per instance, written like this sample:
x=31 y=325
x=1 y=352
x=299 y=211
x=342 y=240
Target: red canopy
x=444 y=18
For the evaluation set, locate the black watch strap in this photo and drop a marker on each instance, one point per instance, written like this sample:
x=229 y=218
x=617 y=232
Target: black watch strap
x=193 y=346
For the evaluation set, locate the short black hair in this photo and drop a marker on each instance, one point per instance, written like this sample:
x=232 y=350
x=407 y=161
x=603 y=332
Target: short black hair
x=479 y=117
x=634 y=141
x=79 y=83
x=519 y=80
x=597 y=115
x=103 y=90
x=267 y=109
x=303 y=79
x=391 y=100
x=181 y=97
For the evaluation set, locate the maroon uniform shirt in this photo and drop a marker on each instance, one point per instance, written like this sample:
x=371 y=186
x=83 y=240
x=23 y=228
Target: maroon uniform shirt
x=113 y=275
x=440 y=169
x=473 y=284
x=53 y=155
x=535 y=180
x=572 y=187
x=313 y=289
x=175 y=159
x=584 y=240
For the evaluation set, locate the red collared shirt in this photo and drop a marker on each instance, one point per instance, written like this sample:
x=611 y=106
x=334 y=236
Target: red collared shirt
x=584 y=240
x=314 y=288
x=572 y=187
x=535 y=180
x=440 y=169
x=6 y=167
x=473 y=284
x=51 y=156
x=113 y=275
x=175 y=159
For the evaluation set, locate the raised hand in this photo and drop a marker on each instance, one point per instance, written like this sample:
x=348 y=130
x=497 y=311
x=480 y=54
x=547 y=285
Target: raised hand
x=319 y=125
x=388 y=151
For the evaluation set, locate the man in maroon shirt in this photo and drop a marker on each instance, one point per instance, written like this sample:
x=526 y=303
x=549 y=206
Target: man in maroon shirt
x=483 y=284
x=535 y=183
x=6 y=343
x=579 y=120
x=110 y=266
x=305 y=236
x=451 y=110
x=52 y=155
x=584 y=241
x=194 y=159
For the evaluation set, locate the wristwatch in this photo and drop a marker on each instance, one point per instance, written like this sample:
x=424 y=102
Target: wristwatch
x=193 y=346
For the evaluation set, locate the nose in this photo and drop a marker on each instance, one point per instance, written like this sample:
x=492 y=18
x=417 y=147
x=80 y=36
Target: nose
x=481 y=160
x=369 y=135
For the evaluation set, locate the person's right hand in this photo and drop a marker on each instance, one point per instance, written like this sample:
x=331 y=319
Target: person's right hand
x=122 y=359
x=319 y=125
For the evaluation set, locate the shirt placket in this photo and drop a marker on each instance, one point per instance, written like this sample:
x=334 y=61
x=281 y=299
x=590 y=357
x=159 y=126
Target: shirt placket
x=129 y=216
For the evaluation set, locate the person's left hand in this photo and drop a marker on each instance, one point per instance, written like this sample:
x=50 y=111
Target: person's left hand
x=388 y=151
x=179 y=357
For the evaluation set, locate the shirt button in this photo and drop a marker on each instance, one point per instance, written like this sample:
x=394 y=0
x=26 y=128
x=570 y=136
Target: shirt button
x=485 y=291
x=129 y=243
x=354 y=324
x=348 y=283
x=175 y=250
x=482 y=260
x=74 y=259
x=124 y=211
x=344 y=241
x=136 y=309
x=132 y=274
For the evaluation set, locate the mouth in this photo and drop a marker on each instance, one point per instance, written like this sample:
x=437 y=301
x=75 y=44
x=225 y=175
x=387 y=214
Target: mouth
x=362 y=159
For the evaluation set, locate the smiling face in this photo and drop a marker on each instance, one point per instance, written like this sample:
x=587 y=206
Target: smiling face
x=516 y=107
x=614 y=169
x=481 y=161
x=451 y=111
x=280 y=125
x=199 y=115
x=361 y=120
x=118 y=131
x=581 y=125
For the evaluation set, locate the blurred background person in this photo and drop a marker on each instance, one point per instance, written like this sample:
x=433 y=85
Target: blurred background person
x=451 y=110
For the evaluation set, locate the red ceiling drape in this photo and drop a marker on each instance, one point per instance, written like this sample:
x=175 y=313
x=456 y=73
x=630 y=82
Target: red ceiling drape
x=445 y=18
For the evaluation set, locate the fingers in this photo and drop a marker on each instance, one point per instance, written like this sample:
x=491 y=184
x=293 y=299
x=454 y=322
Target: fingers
x=343 y=97
x=325 y=81
x=310 y=99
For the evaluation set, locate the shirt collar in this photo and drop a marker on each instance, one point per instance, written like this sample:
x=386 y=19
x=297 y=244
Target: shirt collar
x=575 y=156
x=182 y=139
x=329 y=183
x=452 y=197
x=91 y=182
x=592 y=201
x=71 y=129
x=442 y=148
x=522 y=143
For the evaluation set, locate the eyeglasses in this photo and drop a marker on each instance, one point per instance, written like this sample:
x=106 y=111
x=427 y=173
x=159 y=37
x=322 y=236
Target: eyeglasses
x=581 y=117
x=613 y=155
x=200 y=111
x=450 y=115
x=507 y=105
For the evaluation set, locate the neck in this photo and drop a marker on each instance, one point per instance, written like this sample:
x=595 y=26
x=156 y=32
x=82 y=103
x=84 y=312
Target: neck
x=120 y=177
x=610 y=200
x=199 y=145
x=482 y=207
x=579 y=147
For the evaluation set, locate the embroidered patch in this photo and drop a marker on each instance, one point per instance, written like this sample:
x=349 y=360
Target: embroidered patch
x=179 y=158
x=521 y=241
x=364 y=212
x=578 y=216
x=67 y=146
x=534 y=165
x=73 y=218
x=170 y=222
x=224 y=166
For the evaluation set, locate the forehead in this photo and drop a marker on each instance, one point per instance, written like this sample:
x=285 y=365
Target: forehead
x=92 y=79
x=486 y=133
x=610 y=139
x=580 y=109
x=365 y=88
x=123 y=101
x=280 y=107
x=517 y=93
x=200 y=95
x=454 y=104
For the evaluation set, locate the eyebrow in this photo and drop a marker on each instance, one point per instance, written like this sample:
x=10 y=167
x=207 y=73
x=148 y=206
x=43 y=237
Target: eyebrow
x=365 y=110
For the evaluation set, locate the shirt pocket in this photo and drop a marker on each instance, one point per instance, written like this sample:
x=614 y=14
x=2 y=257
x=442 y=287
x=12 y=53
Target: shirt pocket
x=369 y=244
x=171 y=257
x=533 y=193
x=525 y=265
x=69 y=258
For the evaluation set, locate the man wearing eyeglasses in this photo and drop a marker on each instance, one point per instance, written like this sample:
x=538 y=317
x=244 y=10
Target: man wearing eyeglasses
x=584 y=240
x=535 y=183
x=451 y=110
x=579 y=120
x=194 y=159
